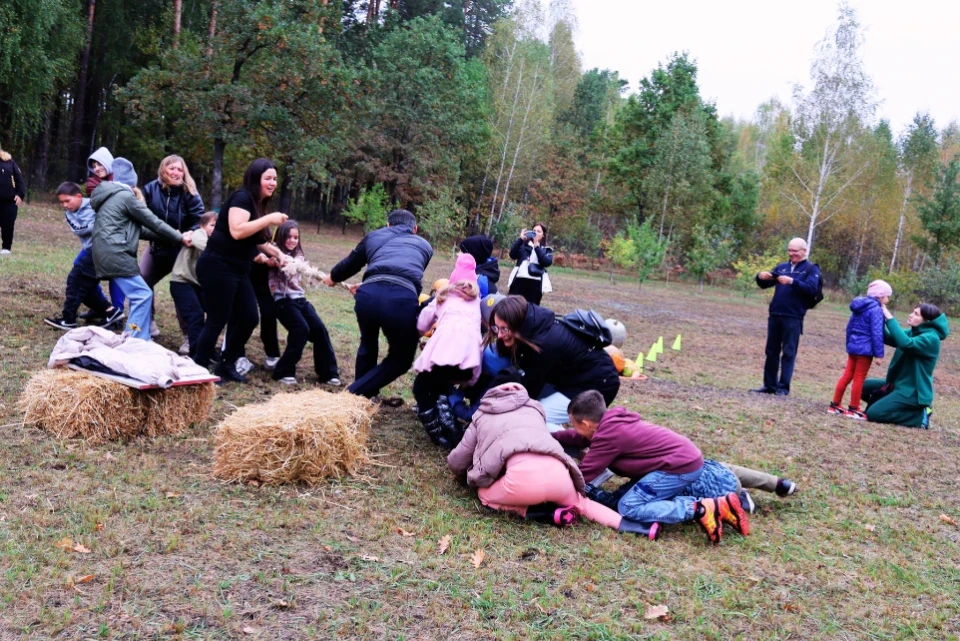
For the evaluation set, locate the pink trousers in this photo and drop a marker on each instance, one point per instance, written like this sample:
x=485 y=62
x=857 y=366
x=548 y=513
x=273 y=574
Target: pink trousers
x=531 y=479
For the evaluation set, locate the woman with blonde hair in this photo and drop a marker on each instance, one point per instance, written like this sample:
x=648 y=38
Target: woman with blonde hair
x=172 y=198
x=12 y=193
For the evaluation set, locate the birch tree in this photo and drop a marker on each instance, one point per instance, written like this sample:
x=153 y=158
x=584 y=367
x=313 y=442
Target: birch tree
x=917 y=158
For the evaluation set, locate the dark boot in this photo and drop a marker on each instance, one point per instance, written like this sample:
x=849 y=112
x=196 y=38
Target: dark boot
x=652 y=531
x=228 y=372
x=604 y=498
x=552 y=514
x=431 y=423
x=451 y=431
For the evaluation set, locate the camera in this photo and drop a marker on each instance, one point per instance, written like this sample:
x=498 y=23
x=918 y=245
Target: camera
x=530 y=235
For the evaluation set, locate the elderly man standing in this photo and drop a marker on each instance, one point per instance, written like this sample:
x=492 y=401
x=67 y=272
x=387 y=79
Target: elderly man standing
x=797 y=282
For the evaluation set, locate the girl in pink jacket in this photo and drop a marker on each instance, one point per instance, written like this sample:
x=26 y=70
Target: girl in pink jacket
x=453 y=353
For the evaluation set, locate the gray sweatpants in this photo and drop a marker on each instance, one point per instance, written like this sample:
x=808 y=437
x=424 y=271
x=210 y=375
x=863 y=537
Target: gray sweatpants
x=752 y=479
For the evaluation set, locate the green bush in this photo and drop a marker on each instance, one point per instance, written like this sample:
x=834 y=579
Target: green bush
x=370 y=208
x=747 y=269
x=940 y=285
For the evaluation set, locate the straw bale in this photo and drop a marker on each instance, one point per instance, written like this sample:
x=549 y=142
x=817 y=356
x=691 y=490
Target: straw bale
x=72 y=404
x=299 y=437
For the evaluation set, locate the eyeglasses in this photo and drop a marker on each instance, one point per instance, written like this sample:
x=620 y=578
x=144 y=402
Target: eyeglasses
x=500 y=331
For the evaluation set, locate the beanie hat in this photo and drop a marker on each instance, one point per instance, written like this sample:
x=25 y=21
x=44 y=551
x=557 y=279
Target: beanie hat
x=879 y=289
x=480 y=247
x=465 y=269
x=124 y=173
x=487 y=305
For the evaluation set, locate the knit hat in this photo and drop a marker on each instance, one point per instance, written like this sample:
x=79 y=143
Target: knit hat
x=879 y=289
x=465 y=269
x=487 y=304
x=480 y=247
x=124 y=173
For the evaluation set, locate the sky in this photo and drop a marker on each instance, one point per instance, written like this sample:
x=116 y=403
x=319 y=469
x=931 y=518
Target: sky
x=749 y=51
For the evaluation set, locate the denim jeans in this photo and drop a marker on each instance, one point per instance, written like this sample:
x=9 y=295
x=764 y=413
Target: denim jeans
x=657 y=497
x=117 y=298
x=141 y=299
x=555 y=407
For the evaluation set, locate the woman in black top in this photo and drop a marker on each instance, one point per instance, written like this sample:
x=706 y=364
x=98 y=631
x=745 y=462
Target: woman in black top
x=224 y=267
x=529 y=278
x=12 y=193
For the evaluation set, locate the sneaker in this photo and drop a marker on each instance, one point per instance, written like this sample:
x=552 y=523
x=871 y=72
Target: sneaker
x=785 y=487
x=732 y=512
x=184 y=348
x=335 y=382
x=855 y=414
x=154 y=330
x=925 y=423
x=764 y=390
x=270 y=362
x=706 y=513
x=565 y=516
x=112 y=317
x=4 y=252
x=243 y=365
x=229 y=373
x=60 y=323
x=747 y=502
x=288 y=380
x=836 y=408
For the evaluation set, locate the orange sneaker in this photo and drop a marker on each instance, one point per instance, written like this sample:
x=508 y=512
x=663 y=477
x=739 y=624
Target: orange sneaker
x=732 y=512
x=706 y=513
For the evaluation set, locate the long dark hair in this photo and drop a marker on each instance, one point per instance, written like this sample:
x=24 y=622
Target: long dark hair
x=544 y=228
x=283 y=233
x=251 y=183
x=929 y=311
x=512 y=310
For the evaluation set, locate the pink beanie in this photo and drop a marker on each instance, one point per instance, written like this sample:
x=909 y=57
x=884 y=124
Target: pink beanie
x=465 y=269
x=879 y=289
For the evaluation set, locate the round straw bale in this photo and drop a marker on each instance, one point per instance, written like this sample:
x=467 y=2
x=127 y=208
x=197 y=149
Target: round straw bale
x=72 y=404
x=301 y=437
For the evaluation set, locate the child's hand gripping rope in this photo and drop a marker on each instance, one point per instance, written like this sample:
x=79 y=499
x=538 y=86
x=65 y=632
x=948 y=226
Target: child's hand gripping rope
x=311 y=276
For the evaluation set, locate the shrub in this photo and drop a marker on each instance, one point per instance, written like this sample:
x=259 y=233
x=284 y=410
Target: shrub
x=370 y=208
x=747 y=269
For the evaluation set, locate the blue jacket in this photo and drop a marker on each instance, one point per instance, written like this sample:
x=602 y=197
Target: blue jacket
x=391 y=254
x=81 y=223
x=793 y=299
x=865 y=328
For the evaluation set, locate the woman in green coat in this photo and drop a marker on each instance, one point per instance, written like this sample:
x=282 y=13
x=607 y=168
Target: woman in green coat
x=910 y=375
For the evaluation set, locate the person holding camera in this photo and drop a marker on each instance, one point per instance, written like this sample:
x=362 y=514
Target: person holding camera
x=529 y=278
x=797 y=281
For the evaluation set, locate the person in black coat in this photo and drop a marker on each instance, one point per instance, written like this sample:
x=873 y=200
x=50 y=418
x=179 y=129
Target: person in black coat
x=796 y=280
x=12 y=193
x=387 y=299
x=548 y=353
x=488 y=267
x=529 y=278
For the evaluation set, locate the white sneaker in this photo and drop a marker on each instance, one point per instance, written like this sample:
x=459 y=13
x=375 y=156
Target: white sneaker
x=243 y=366
x=288 y=380
x=154 y=330
x=335 y=382
x=184 y=348
x=4 y=252
x=270 y=362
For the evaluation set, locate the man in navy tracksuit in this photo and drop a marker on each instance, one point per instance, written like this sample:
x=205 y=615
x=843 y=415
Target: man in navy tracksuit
x=797 y=282
x=387 y=299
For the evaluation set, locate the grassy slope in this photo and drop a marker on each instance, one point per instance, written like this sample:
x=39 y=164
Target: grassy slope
x=860 y=553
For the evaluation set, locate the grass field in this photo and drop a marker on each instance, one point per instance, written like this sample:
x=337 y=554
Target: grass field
x=860 y=553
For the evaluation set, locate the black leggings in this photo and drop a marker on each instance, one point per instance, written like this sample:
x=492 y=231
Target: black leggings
x=228 y=297
x=303 y=323
x=8 y=219
x=529 y=288
x=429 y=386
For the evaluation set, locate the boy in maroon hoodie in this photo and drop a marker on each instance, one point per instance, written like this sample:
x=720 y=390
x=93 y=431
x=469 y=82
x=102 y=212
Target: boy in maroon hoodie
x=671 y=481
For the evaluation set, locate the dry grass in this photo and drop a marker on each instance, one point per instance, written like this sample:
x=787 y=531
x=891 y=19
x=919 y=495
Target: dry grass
x=71 y=404
x=305 y=437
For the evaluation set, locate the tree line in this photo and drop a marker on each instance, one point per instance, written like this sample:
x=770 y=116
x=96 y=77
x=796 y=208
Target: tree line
x=478 y=115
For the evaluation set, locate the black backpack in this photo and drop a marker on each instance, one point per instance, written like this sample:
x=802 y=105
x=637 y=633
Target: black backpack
x=588 y=325
x=814 y=300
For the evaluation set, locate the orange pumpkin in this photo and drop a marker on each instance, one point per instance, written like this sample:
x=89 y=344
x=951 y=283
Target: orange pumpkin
x=619 y=360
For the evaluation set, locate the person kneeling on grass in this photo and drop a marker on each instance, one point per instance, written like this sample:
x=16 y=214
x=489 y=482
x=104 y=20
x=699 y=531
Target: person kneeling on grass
x=508 y=454
x=674 y=484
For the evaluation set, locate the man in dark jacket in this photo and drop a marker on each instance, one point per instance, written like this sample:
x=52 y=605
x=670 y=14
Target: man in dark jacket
x=796 y=281
x=387 y=299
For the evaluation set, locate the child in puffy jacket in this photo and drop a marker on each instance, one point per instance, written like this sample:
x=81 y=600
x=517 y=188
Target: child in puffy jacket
x=864 y=343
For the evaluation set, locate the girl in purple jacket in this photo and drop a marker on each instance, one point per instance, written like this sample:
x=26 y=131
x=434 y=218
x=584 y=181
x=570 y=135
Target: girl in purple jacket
x=864 y=343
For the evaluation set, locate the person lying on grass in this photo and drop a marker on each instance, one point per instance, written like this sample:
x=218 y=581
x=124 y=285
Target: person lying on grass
x=672 y=481
x=508 y=455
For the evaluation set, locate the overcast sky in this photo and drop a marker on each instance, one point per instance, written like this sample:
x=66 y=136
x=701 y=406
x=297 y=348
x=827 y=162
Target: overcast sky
x=748 y=51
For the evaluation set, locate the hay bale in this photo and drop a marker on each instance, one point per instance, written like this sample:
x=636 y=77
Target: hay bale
x=299 y=437
x=72 y=404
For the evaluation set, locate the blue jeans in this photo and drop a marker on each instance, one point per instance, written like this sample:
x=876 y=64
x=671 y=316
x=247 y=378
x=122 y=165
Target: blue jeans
x=141 y=298
x=657 y=497
x=116 y=294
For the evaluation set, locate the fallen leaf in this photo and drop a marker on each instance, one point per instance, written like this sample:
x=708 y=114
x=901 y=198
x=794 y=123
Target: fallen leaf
x=369 y=557
x=172 y=495
x=87 y=578
x=82 y=549
x=590 y=587
x=110 y=457
x=947 y=519
x=353 y=538
x=100 y=527
x=790 y=607
x=403 y=532
x=870 y=527
x=477 y=558
x=280 y=604
x=444 y=543
x=754 y=579
x=249 y=630
x=64 y=544
x=656 y=612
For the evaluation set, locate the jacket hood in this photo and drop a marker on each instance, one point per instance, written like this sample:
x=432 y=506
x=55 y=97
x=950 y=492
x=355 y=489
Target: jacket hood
x=102 y=156
x=538 y=321
x=104 y=191
x=619 y=415
x=480 y=247
x=503 y=399
x=938 y=325
x=861 y=304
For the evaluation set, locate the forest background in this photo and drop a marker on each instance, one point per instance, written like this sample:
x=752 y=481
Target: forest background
x=478 y=116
